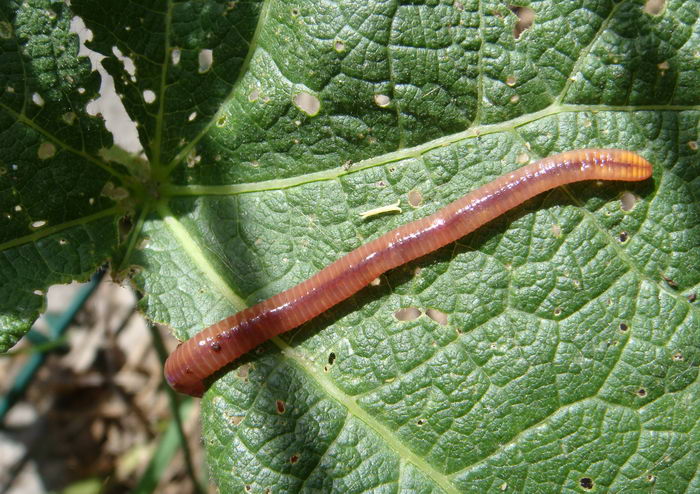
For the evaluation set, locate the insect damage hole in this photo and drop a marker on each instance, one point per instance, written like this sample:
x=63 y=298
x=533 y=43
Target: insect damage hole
x=654 y=7
x=307 y=103
x=415 y=198
x=628 y=201
x=641 y=392
x=46 y=150
x=149 y=96
x=407 y=314
x=526 y=16
x=382 y=100
x=206 y=59
x=280 y=407
x=437 y=315
x=331 y=358
x=586 y=483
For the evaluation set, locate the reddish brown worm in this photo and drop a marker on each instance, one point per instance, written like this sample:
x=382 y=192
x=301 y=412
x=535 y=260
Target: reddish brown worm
x=198 y=358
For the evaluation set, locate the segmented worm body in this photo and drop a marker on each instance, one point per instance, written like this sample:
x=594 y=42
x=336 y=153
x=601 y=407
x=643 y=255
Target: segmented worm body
x=211 y=349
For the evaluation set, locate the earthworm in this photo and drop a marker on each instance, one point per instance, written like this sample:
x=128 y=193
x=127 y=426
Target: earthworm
x=196 y=359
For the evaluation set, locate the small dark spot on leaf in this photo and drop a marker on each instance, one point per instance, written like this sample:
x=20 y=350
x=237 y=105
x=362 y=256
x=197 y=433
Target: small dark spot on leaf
x=421 y=422
x=651 y=478
x=678 y=356
x=557 y=311
x=670 y=282
x=623 y=237
x=280 y=406
x=641 y=392
x=692 y=297
x=294 y=459
x=586 y=483
x=295 y=12
x=623 y=326
x=248 y=488
x=331 y=358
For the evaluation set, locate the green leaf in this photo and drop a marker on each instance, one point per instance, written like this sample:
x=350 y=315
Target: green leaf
x=556 y=349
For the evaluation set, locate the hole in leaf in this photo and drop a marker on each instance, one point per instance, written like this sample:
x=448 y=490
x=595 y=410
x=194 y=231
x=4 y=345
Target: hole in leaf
x=69 y=117
x=623 y=327
x=526 y=16
x=623 y=237
x=678 y=356
x=407 y=314
x=692 y=297
x=331 y=358
x=557 y=311
x=254 y=95
x=308 y=103
x=339 y=46
x=206 y=59
x=628 y=201
x=415 y=198
x=37 y=99
x=382 y=100
x=243 y=371
x=46 y=150
x=437 y=315
x=654 y=7
x=586 y=483
x=641 y=392
x=192 y=116
x=38 y=224
x=149 y=96
x=175 y=55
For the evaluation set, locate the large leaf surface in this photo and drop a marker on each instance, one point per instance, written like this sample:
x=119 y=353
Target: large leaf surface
x=556 y=349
